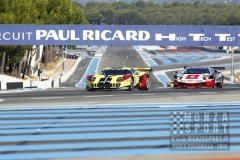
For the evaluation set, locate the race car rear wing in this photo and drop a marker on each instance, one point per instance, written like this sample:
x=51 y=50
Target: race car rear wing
x=218 y=68
x=215 y=68
x=144 y=69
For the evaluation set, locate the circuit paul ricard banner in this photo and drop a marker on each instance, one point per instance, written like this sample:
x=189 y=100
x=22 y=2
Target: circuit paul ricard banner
x=119 y=35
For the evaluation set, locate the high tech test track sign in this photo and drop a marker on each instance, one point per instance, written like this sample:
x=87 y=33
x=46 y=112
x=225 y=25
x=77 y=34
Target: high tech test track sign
x=123 y=35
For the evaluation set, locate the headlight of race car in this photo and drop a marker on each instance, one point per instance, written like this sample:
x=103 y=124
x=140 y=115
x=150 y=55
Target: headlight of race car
x=93 y=78
x=178 y=78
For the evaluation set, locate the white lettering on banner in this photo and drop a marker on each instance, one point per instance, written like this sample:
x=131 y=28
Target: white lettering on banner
x=131 y=35
x=15 y=36
x=170 y=37
x=118 y=34
x=4 y=35
x=196 y=37
x=88 y=34
x=205 y=38
x=103 y=35
x=107 y=35
x=159 y=37
x=200 y=37
x=142 y=34
x=225 y=37
x=97 y=36
x=231 y=38
x=56 y=35
x=181 y=38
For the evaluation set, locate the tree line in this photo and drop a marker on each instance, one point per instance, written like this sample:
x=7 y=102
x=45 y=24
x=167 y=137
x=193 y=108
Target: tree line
x=151 y=13
x=84 y=2
x=16 y=60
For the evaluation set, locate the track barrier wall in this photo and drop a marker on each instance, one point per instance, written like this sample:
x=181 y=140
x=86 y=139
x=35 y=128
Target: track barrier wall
x=120 y=35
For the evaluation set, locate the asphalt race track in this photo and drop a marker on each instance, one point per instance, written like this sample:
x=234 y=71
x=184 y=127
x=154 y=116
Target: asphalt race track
x=78 y=74
x=75 y=96
x=70 y=122
x=127 y=56
x=121 y=60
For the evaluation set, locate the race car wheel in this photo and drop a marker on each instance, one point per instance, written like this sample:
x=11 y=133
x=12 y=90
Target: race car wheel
x=147 y=85
x=130 y=88
x=220 y=84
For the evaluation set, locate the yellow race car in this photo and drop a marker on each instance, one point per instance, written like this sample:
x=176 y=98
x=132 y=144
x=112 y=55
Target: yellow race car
x=118 y=78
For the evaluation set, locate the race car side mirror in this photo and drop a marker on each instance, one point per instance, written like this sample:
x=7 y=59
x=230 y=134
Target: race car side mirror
x=95 y=71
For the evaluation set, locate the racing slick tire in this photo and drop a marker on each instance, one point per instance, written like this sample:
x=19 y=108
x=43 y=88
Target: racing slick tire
x=130 y=88
x=219 y=85
x=148 y=83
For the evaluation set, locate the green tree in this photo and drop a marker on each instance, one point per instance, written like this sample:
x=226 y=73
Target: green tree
x=34 y=12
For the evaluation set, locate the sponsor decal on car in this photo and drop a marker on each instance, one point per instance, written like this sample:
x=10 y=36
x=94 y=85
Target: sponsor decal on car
x=190 y=76
x=191 y=80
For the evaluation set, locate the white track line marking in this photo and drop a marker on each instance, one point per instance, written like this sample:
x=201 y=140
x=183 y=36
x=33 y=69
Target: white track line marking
x=49 y=98
x=208 y=92
x=178 y=93
x=85 y=107
x=128 y=105
x=172 y=106
x=100 y=96
x=232 y=92
x=142 y=94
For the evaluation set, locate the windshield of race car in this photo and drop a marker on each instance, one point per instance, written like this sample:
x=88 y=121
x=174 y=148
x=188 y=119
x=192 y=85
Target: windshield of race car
x=197 y=71
x=115 y=72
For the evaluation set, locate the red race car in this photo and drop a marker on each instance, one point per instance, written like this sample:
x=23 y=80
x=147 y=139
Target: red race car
x=198 y=77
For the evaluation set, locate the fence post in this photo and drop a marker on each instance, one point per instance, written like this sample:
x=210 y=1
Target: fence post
x=53 y=83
